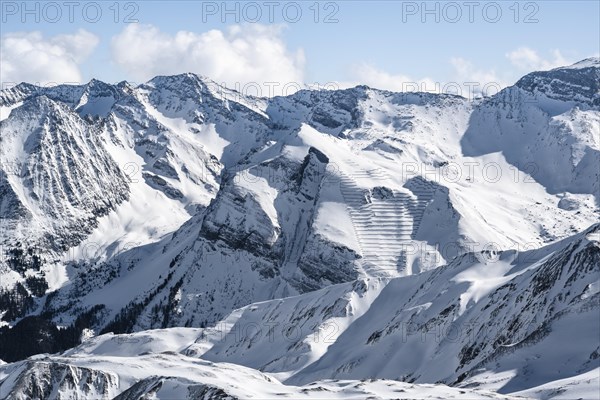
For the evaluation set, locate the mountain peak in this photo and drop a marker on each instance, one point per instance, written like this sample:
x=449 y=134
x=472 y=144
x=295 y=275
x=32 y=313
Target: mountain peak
x=590 y=62
x=184 y=79
x=17 y=93
x=575 y=83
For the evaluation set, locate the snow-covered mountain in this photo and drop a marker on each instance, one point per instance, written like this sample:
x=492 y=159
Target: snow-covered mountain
x=487 y=325
x=547 y=126
x=177 y=202
x=154 y=368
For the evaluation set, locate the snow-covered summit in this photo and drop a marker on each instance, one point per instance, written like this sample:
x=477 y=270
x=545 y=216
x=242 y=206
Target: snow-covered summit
x=578 y=83
x=591 y=62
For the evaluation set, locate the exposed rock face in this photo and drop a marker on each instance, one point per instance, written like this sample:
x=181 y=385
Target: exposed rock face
x=533 y=122
x=169 y=375
x=149 y=387
x=46 y=380
x=579 y=83
x=528 y=312
x=482 y=313
x=488 y=320
x=67 y=176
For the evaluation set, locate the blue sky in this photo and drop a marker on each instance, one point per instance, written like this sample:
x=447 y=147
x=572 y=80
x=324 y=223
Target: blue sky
x=380 y=43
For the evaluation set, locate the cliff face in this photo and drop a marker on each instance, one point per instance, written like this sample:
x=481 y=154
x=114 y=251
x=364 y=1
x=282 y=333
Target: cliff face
x=48 y=379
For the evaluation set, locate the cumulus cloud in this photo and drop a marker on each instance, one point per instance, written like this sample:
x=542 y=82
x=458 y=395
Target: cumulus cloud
x=527 y=59
x=241 y=55
x=29 y=57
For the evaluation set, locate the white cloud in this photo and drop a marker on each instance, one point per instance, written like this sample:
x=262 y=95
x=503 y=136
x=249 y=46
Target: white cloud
x=367 y=74
x=476 y=81
x=464 y=77
x=465 y=80
x=243 y=54
x=465 y=70
x=529 y=60
x=29 y=57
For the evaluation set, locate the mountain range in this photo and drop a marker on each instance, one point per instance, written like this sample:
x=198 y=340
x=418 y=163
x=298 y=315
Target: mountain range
x=159 y=240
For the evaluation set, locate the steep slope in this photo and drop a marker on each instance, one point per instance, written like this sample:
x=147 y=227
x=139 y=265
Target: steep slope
x=547 y=125
x=161 y=172
x=492 y=325
x=48 y=148
x=57 y=181
x=254 y=242
x=150 y=367
x=509 y=321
